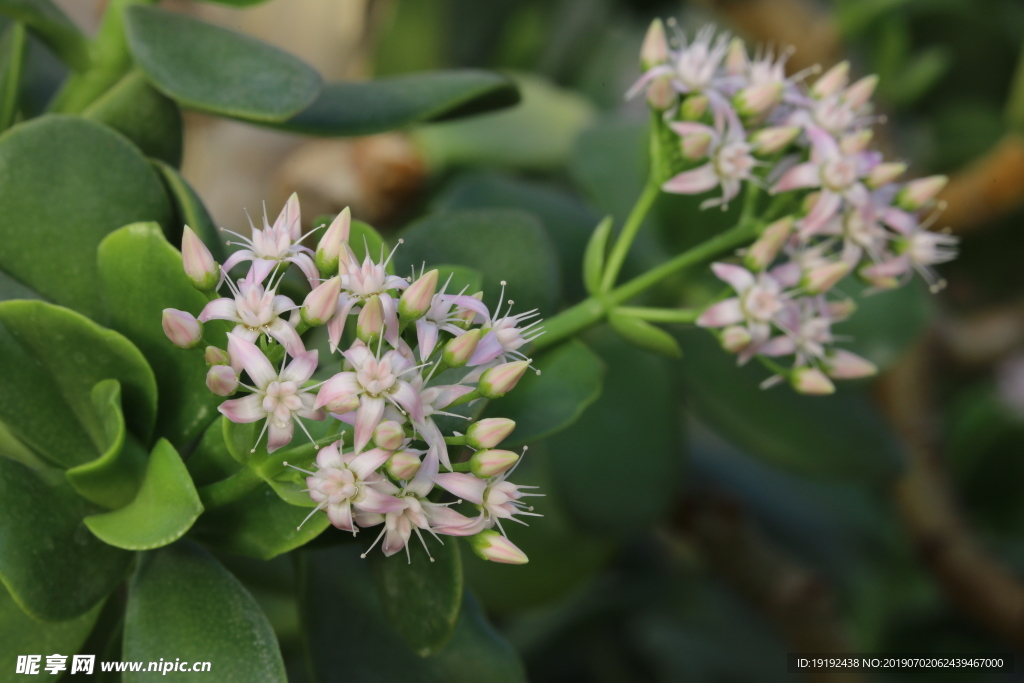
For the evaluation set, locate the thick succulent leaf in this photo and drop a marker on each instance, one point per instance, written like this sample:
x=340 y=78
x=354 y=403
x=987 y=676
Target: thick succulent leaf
x=112 y=479
x=459 y=279
x=350 y=639
x=887 y=324
x=65 y=183
x=52 y=566
x=838 y=437
x=53 y=26
x=22 y=634
x=212 y=69
x=594 y=255
x=189 y=210
x=211 y=460
x=345 y=109
x=13 y=45
x=182 y=603
x=626 y=446
x=422 y=596
x=503 y=244
x=50 y=359
x=141 y=275
x=142 y=114
x=543 y=404
x=165 y=508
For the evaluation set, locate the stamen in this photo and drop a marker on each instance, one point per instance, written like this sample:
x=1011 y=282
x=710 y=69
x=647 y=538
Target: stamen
x=286 y=464
x=379 y=536
x=317 y=509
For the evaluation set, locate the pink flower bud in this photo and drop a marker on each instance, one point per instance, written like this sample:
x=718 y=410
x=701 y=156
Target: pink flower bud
x=757 y=100
x=854 y=143
x=843 y=364
x=490 y=545
x=464 y=318
x=735 y=338
x=403 y=465
x=832 y=81
x=762 y=252
x=660 y=94
x=695 y=146
x=489 y=432
x=858 y=94
x=201 y=269
x=328 y=251
x=811 y=381
x=878 y=277
x=215 y=356
x=320 y=304
x=736 y=61
x=417 y=297
x=490 y=462
x=772 y=140
x=823 y=278
x=222 y=380
x=499 y=380
x=459 y=350
x=694 y=107
x=389 y=435
x=919 y=192
x=338 y=395
x=883 y=174
x=182 y=328
x=839 y=311
x=370 y=323
x=654 y=51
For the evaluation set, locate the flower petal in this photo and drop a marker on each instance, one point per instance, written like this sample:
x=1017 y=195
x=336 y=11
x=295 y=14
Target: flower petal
x=738 y=277
x=700 y=179
x=465 y=486
x=367 y=462
x=368 y=416
x=252 y=359
x=279 y=437
x=797 y=178
x=219 y=309
x=246 y=409
x=301 y=368
x=723 y=313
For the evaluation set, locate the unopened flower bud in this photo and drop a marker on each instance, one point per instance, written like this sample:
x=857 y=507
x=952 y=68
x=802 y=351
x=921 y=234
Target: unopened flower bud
x=464 y=318
x=736 y=61
x=832 y=81
x=883 y=174
x=328 y=251
x=694 y=107
x=842 y=364
x=403 y=465
x=201 y=269
x=459 y=350
x=389 y=435
x=499 y=380
x=858 y=94
x=417 y=297
x=757 y=100
x=735 y=338
x=854 y=143
x=489 y=432
x=654 y=51
x=841 y=309
x=763 y=251
x=807 y=205
x=222 y=380
x=182 y=328
x=695 y=146
x=370 y=323
x=491 y=462
x=215 y=356
x=918 y=193
x=823 y=278
x=490 y=545
x=877 y=277
x=320 y=304
x=811 y=381
x=775 y=139
x=660 y=94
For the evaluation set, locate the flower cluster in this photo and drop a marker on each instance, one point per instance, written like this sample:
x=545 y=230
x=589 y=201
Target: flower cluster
x=836 y=207
x=416 y=353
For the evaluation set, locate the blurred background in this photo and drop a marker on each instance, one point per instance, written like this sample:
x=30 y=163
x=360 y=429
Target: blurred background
x=702 y=532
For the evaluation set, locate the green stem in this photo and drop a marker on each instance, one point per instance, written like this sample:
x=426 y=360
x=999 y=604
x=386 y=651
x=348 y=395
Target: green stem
x=229 y=490
x=628 y=234
x=661 y=315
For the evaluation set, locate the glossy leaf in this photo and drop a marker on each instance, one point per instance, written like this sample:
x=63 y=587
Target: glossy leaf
x=148 y=118
x=836 y=437
x=22 y=634
x=422 y=596
x=626 y=447
x=53 y=26
x=189 y=210
x=212 y=69
x=502 y=244
x=644 y=335
x=345 y=109
x=50 y=359
x=570 y=379
x=211 y=460
x=165 y=508
x=53 y=567
x=65 y=183
x=141 y=275
x=182 y=603
x=113 y=479
x=887 y=324
x=13 y=45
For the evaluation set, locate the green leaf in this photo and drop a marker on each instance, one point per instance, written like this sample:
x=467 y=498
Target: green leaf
x=141 y=275
x=212 y=69
x=422 y=597
x=50 y=359
x=502 y=244
x=645 y=335
x=570 y=380
x=211 y=460
x=54 y=28
x=236 y=3
x=53 y=567
x=65 y=183
x=463 y=279
x=113 y=479
x=260 y=524
x=23 y=635
x=143 y=115
x=593 y=257
x=838 y=437
x=184 y=604
x=346 y=109
x=626 y=447
x=886 y=325
x=189 y=210
x=13 y=46
x=165 y=508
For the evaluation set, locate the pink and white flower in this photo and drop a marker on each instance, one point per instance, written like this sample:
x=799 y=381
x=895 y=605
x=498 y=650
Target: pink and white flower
x=256 y=311
x=731 y=162
x=759 y=300
x=275 y=245
x=360 y=283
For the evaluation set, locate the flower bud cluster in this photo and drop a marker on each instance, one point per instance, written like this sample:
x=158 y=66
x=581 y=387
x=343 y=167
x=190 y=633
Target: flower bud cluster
x=419 y=351
x=837 y=207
